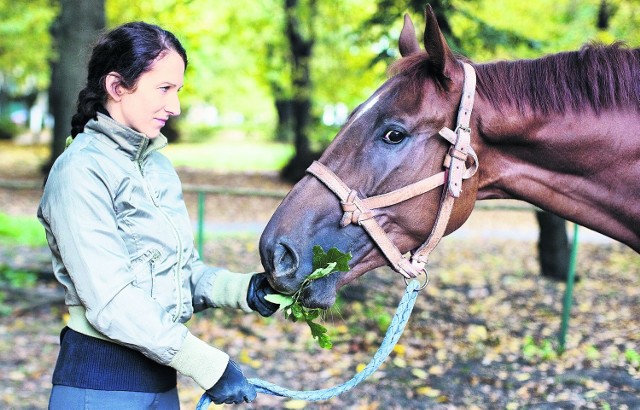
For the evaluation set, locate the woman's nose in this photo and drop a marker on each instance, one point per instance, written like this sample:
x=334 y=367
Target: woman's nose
x=173 y=105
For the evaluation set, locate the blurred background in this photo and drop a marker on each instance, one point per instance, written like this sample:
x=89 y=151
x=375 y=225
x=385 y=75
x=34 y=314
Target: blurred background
x=282 y=74
x=269 y=84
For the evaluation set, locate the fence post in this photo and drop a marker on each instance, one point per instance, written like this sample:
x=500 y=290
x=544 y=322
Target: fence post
x=200 y=221
x=568 y=293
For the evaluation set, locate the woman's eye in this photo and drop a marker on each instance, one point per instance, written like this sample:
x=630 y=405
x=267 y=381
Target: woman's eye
x=394 y=137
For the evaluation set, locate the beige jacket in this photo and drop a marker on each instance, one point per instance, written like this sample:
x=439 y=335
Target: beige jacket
x=122 y=247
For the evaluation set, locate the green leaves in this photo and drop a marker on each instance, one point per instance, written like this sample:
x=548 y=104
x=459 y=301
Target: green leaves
x=322 y=259
x=324 y=264
x=22 y=230
x=322 y=272
x=280 y=299
x=320 y=332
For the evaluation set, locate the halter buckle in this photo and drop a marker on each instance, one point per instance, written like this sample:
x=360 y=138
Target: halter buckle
x=463 y=128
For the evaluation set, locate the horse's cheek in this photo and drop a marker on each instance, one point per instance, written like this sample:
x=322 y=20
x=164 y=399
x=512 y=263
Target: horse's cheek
x=463 y=206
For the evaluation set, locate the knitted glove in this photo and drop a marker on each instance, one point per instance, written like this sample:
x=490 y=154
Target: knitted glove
x=203 y=363
x=232 y=388
x=259 y=287
x=229 y=290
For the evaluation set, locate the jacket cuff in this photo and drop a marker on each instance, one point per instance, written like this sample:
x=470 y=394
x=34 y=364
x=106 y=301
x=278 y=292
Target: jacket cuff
x=229 y=289
x=203 y=363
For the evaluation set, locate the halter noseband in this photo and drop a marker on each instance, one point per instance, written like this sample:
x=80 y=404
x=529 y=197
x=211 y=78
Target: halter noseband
x=361 y=210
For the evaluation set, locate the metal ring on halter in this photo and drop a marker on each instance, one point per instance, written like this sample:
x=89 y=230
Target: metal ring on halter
x=424 y=285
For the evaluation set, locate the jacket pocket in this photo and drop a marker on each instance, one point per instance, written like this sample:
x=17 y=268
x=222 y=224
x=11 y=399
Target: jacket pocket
x=143 y=269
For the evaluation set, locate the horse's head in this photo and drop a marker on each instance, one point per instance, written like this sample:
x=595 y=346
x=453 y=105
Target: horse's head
x=390 y=141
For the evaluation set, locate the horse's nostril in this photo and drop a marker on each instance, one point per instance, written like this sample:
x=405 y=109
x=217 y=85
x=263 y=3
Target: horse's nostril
x=285 y=265
x=285 y=261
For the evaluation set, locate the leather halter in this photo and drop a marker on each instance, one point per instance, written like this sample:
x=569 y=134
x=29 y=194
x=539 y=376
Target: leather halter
x=361 y=210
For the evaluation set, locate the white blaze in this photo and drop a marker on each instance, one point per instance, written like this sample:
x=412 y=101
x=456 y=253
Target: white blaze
x=372 y=102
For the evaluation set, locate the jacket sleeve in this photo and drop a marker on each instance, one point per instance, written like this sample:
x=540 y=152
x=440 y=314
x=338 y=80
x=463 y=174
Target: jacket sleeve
x=78 y=212
x=217 y=287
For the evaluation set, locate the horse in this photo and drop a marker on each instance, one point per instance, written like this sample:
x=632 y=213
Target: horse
x=561 y=132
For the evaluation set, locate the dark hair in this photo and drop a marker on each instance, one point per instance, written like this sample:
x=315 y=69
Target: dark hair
x=128 y=50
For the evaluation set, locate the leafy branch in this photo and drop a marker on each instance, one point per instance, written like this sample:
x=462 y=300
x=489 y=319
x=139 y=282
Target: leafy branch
x=324 y=264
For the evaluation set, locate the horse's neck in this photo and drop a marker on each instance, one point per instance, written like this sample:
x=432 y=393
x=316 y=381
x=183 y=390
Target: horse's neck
x=583 y=167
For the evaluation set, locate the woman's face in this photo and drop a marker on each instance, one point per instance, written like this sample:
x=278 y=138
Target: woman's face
x=154 y=99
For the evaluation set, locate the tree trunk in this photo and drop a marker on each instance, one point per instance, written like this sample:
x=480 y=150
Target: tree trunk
x=301 y=51
x=553 y=246
x=284 y=130
x=74 y=31
x=604 y=15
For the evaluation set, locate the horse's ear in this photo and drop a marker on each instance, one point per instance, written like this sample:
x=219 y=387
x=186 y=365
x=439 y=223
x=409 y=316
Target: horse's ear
x=434 y=42
x=408 y=42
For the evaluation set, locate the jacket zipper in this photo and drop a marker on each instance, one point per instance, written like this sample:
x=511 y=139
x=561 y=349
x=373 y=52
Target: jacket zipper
x=177 y=276
x=152 y=268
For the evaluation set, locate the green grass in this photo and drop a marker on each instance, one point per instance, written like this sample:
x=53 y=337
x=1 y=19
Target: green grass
x=230 y=155
x=21 y=230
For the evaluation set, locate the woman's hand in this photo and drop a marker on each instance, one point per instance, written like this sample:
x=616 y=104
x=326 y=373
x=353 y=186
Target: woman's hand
x=259 y=287
x=232 y=387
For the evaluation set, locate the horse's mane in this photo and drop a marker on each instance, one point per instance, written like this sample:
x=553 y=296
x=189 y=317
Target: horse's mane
x=596 y=76
x=417 y=68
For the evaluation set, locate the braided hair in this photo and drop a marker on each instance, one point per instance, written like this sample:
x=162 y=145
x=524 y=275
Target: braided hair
x=129 y=50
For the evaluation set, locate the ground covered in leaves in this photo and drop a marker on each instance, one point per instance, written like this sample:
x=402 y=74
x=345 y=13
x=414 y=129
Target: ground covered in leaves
x=482 y=335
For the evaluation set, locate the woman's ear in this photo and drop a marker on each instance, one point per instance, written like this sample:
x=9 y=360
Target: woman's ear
x=113 y=85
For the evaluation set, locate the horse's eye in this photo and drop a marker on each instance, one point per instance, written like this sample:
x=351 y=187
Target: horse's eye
x=394 y=137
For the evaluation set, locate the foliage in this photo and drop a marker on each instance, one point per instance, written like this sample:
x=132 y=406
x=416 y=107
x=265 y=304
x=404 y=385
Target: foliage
x=225 y=154
x=219 y=38
x=342 y=66
x=8 y=129
x=239 y=61
x=633 y=358
x=17 y=278
x=487 y=30
x=26 y=45
x=324 y=264
x=538 y=351
x=517 y=30
x=21 y=230
x=13 y=278
x=238 y=53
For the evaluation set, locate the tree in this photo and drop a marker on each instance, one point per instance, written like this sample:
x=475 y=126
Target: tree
x=74 y=30
x=299 y=29
x=25 y=44
x=322 y=46
x=553 y=246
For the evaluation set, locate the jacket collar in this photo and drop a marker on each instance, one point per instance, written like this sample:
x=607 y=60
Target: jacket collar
x=134 y=144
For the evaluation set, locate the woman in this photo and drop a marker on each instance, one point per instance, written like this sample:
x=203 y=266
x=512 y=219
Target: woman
x=122 y=244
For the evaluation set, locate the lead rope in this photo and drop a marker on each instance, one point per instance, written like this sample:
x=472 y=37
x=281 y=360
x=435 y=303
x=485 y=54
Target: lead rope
x=398 y=323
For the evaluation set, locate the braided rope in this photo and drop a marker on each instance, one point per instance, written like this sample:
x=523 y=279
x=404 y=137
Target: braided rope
x=392 y=336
